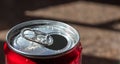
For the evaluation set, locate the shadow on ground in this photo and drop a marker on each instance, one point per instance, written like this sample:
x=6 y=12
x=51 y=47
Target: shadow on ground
x=2 y=61
x=96 y=60
x=110 y=2
x=12 y=12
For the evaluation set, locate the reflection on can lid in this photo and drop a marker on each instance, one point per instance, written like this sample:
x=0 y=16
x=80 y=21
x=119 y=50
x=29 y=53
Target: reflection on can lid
x=42 y=38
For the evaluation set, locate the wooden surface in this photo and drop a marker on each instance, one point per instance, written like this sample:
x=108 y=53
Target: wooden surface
x=97 y=21
x=2 y=60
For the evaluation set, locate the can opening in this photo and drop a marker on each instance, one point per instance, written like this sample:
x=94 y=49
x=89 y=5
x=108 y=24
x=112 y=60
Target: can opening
x=59 y=42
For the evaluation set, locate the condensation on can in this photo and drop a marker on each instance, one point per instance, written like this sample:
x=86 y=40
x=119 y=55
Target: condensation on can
x=65 y=39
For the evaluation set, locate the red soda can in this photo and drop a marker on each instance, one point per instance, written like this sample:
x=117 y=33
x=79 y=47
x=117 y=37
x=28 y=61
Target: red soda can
x=43 y=42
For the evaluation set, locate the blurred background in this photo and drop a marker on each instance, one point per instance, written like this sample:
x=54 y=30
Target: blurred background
x=98 y=22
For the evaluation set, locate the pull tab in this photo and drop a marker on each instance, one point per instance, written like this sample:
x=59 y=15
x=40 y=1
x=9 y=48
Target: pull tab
x=37 y=36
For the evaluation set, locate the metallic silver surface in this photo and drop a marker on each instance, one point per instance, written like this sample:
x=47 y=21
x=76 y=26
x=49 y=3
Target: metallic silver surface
x=67 y=35
x=37 y=36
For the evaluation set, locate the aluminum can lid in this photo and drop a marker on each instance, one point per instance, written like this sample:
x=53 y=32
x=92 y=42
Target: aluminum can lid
x=42 y=38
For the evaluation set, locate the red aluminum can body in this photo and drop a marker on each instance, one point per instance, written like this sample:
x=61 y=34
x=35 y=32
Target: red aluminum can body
x=43 y=42
x=74 y=57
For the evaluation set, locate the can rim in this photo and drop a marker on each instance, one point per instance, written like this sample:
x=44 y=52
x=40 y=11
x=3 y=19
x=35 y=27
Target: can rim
x=43 y=56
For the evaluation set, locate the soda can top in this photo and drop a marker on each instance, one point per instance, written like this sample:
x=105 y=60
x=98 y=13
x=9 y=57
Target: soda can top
x=42 y=38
